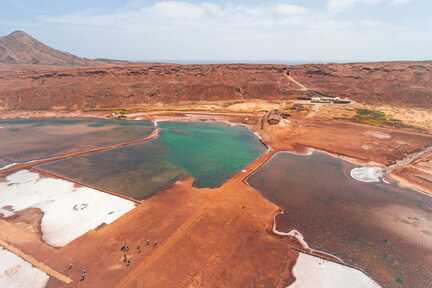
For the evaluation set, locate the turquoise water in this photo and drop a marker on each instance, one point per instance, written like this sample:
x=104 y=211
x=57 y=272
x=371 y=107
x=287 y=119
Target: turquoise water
x=209 y=152
x=212 y=152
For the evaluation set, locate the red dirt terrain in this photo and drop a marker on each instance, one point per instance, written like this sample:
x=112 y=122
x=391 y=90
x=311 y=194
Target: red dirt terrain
x=54 y=85
x=137 y=85
x=393 y=83
x=134 y=86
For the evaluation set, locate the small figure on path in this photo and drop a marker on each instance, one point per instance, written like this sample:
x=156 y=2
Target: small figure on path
x=138 y=249
x=147 y=242
x=83 y=274
x=124 y=248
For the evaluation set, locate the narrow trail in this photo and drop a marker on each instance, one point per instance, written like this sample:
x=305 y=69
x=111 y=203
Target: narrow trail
x=409 y=159
x=302 y=87
x=39 y=265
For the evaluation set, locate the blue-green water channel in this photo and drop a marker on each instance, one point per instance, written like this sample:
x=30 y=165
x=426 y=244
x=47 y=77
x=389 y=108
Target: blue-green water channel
x=209 y=152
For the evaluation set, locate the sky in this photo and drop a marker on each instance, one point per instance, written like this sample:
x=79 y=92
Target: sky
x=228 y=30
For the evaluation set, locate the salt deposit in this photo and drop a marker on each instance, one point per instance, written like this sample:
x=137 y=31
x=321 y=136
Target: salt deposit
x=8 y=166
x=367 y=174
x=68 y=211
x=313 y=272
x=17 y=273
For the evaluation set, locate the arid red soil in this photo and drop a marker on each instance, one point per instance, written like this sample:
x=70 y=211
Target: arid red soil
x=135 y=86
x=352 y=140
x=138 y=85
x=392 y=83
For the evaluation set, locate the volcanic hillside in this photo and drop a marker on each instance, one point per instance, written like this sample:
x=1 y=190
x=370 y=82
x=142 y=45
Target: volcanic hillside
x=21 y=48
x=53 y=84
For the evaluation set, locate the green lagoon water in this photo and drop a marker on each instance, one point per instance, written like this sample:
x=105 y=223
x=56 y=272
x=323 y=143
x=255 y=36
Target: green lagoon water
x=209 y=152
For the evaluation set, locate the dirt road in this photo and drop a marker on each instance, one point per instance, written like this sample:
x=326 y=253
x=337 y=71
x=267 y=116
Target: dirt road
x=302 y=87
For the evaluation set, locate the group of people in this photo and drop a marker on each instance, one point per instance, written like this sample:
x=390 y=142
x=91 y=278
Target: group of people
x=83 y=272
x=126 y=260
x=125 y=249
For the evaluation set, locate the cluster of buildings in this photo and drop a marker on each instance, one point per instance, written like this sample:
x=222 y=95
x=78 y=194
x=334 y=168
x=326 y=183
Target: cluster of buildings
x=316 y=97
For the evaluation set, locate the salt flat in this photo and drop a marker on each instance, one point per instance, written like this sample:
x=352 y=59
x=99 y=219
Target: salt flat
x=17 y=273
x=68 y=211
x=313 y=272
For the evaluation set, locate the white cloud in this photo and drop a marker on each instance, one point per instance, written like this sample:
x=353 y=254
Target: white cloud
x=289 y=9
x=190 y=30
x=341 y=5
x=399 y=2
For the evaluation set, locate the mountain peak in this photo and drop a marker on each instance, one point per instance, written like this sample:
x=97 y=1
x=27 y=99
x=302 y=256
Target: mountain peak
x=21 y=48
x=18 y=33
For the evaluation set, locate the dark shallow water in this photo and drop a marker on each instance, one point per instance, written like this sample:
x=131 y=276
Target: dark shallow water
x=209 y=152
x=382 y=228
x=24 y=140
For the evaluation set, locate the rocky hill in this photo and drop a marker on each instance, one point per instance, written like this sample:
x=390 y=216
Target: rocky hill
x=407 y=83
x=34 y=76
x=35 y=87
x=21 y=48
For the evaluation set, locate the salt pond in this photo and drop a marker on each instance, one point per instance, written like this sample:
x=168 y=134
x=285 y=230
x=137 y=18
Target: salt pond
x=17 y=273
x=24 y=140
x=209 y=152
x=381 y=228
x=68 y=211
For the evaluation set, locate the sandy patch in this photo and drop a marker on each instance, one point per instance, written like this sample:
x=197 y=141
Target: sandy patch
x=252 y=106
x=378 y=135
x=313 y=272
x=367 y=174
x=69 y=211
x=17 y=273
